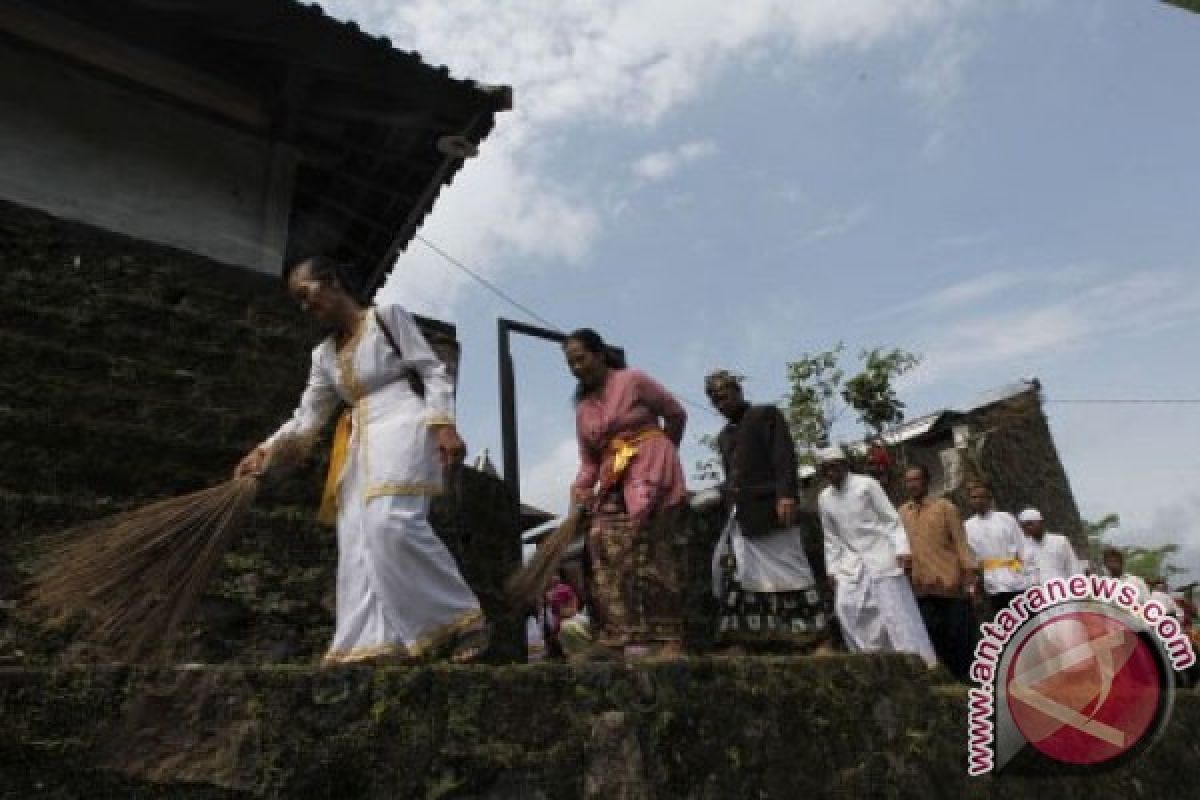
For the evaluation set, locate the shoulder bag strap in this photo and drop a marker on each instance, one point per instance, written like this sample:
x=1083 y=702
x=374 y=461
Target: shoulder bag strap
x=414 y=378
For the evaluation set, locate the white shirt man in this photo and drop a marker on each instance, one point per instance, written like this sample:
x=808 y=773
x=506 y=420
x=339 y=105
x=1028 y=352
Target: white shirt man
x=866 y=553
x=1114 y=565
x=1046 y=556
x=997 y=542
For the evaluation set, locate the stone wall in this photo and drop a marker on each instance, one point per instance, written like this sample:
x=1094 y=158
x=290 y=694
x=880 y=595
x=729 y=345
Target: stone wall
x=1024 y=467
x=131 y=372
x=832 y=727
x=1018 y=458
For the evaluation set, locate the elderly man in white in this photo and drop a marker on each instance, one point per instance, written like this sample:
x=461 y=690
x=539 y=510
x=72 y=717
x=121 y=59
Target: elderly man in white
x=866 y=557
x=1045 y=556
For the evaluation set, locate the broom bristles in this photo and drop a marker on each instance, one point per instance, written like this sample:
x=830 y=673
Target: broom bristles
x=527 y=584
x=134 y=578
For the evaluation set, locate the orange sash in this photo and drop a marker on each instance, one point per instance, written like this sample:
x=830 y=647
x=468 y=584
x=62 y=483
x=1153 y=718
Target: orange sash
x=337 y=460
x=623 y=449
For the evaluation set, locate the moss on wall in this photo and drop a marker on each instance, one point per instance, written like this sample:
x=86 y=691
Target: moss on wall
x=873 y=727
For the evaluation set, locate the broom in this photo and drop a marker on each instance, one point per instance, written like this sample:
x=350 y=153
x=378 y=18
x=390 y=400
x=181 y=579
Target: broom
x=526 y=585
x=134 y=578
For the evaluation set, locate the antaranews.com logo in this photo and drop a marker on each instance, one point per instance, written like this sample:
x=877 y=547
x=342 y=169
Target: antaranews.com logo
x=1076 y=671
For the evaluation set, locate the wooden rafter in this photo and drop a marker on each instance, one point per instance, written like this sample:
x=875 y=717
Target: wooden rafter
x=105 y=52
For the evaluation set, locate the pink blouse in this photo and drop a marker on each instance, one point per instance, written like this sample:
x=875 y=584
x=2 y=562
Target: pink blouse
x=630 y=403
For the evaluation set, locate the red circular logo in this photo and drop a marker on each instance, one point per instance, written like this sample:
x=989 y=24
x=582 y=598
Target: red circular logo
x=1083 y=688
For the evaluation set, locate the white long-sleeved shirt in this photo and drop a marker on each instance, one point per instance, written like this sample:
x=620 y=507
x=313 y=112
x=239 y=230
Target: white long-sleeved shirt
x=1048 y=559
x=996 y=537
x=390 y=440
x=861 y=528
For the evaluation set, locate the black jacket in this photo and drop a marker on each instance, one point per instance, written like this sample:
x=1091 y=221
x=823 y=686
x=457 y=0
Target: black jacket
x=759 y=458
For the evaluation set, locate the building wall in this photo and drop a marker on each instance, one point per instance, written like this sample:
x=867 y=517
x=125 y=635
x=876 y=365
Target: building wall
x=105 y=153
x=1018 y=458
x=1023 y=465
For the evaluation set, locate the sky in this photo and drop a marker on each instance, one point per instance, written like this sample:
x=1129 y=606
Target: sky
x=1007 y=189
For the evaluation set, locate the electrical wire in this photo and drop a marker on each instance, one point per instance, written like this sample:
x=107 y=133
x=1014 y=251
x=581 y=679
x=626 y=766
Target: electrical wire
x=506 y=297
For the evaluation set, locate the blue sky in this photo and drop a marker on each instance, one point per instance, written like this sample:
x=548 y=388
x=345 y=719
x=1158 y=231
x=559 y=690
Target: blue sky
x=1009 y=189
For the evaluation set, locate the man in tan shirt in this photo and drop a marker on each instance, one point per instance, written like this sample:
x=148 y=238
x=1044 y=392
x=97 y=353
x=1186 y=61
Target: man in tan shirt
x=943 y=570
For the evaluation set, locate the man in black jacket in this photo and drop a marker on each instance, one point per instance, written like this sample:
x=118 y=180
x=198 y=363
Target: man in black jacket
x=761 y=575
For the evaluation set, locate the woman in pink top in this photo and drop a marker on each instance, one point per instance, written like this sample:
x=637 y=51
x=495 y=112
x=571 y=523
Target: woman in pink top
x=629 y=429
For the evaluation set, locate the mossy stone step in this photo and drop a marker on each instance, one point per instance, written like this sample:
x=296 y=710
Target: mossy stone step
x=237 y=425
x=223 y=351
x=41 y=306
x=49 y=364
x=842 y=726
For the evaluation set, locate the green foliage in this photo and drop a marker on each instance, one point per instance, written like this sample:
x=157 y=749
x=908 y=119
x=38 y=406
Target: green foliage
x=1152 y=562
x=1146 y=562
x=1096 y=536
x=813 y=403
x=871 y=392
x=821 y=392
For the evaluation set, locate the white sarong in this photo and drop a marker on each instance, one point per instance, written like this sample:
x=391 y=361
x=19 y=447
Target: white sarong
x=399 y=591
x=880 y=614
x=774 y=562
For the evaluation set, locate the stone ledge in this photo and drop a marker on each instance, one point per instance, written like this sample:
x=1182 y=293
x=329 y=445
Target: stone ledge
x=840 y=726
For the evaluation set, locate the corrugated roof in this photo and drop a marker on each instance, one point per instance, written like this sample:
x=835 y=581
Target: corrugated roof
x=916 y=428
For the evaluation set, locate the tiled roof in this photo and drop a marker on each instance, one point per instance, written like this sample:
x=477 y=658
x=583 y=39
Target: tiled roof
x=375 y=132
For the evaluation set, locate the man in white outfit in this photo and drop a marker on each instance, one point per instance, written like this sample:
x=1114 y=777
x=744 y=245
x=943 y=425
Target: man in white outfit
x=1046 y=556
x=997 y=542
x=867 y=558
x=1114 y=565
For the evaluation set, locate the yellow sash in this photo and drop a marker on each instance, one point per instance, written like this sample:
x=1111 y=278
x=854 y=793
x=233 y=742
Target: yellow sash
x=337 y=460
x=623 y=449
x=1001 y=563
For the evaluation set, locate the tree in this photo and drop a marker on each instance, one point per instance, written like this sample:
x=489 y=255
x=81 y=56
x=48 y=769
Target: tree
x=871 y=392
x=1152 y=562
x=820 y=392
x=1145 y=562
x=812 y=403
x=1097 y=533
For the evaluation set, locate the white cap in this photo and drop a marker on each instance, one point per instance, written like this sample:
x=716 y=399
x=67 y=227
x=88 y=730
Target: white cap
x=828 y=455
x=1030 y=515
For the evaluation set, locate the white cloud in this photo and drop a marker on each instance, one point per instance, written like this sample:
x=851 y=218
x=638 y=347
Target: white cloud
x=815 y=224
x=1139 y=303
x=939 y=81
x=496 y=204
x=1177 y=522
x=964 y=293
x=546 y=483
x=664 y=163
x=623 y=63
x=973 y=290
x=837 y=222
